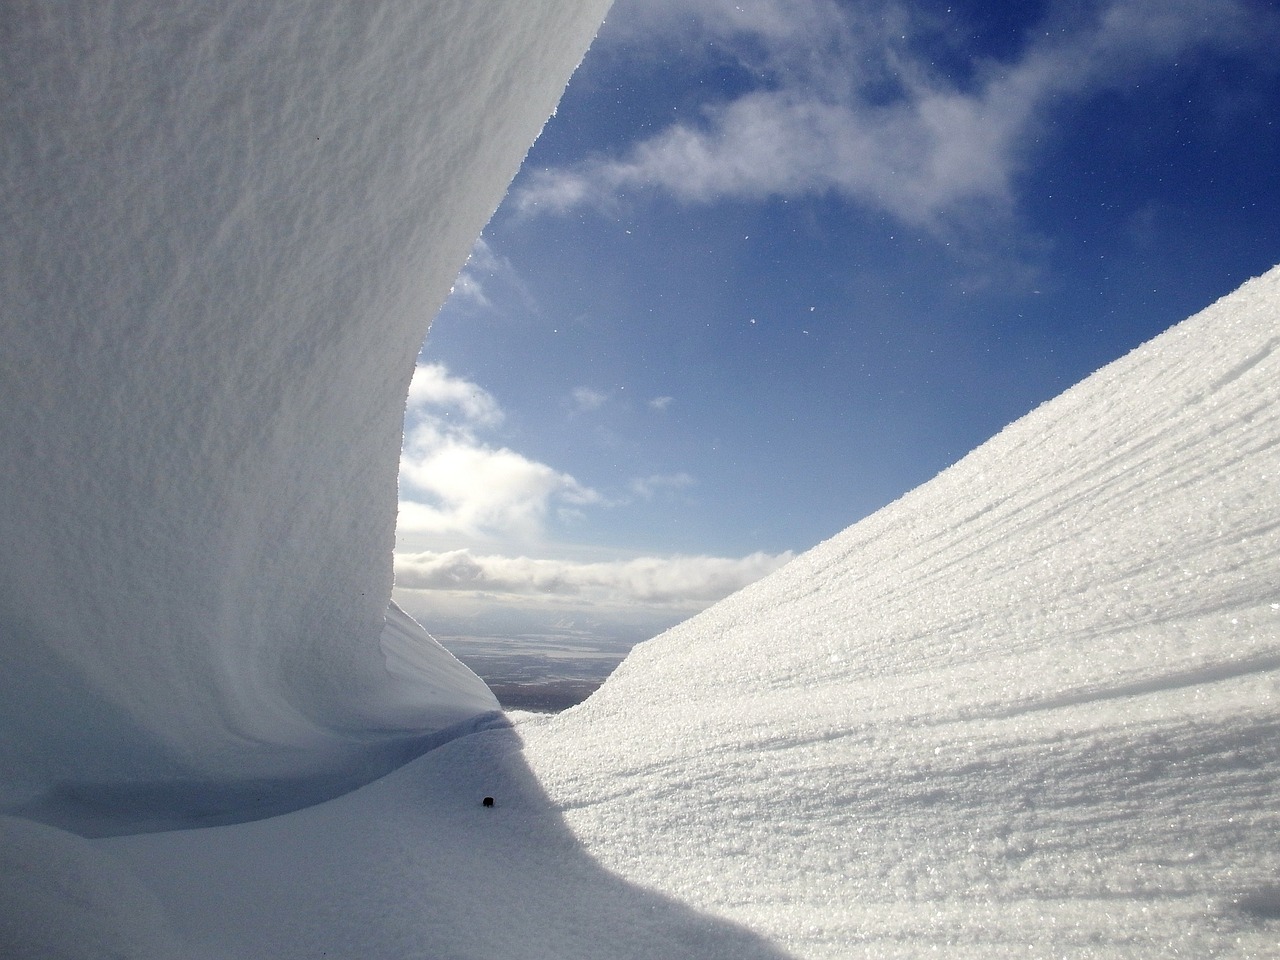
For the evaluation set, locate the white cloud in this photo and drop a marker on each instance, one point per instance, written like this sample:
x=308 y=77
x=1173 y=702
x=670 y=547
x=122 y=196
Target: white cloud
x=850 y=104
x=661 y=581
x=474 y=489
x=914 y=160
x=469 y=286
x=661 y=403
x=434 y=392
x=488 y=282
x=585 y=399
x=451 y=482
x=647 y=487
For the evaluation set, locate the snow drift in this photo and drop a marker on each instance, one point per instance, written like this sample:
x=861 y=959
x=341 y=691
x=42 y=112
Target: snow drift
x=226 y=228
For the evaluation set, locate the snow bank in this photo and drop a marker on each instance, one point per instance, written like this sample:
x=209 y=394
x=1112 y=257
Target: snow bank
x=226 y=228
x=1030 y=710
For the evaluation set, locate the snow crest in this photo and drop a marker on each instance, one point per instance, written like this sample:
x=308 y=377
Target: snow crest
x=226 y=228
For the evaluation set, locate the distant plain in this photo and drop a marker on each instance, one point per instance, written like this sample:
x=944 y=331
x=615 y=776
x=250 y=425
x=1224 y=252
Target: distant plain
x=540 y=674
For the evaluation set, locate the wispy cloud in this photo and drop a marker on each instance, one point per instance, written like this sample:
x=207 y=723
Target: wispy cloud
x=586 y=399
x=469 y=286
x=453 y=482
x=647 y=487
x=435 y=393
x=661 y=403
x=488 y=282
x=849 y=101
x=670 y=581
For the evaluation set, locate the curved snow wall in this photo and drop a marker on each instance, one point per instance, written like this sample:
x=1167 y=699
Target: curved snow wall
x=226 y=227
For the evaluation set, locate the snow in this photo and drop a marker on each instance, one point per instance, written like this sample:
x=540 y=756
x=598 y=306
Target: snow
x=415 y=866
x=226 y=228
x=1030 y=710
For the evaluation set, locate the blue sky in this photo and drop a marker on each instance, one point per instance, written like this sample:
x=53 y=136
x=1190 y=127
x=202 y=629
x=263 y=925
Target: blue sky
x=773 y=264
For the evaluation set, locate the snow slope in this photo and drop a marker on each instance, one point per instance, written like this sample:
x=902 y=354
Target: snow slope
x=1030 y=710
x=226 y=227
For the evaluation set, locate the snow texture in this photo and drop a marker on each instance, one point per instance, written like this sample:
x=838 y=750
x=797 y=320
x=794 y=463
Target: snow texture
x=226 y=228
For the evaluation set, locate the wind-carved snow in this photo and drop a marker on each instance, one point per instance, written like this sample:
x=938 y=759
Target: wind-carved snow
x=226 y=227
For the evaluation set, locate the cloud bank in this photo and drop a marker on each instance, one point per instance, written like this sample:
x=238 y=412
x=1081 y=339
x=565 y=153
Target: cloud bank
x=883 y=105
x=662 y=581
x=457 y=486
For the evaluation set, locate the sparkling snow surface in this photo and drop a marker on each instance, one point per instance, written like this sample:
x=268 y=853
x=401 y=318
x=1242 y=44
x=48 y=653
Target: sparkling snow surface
x=226 y=227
